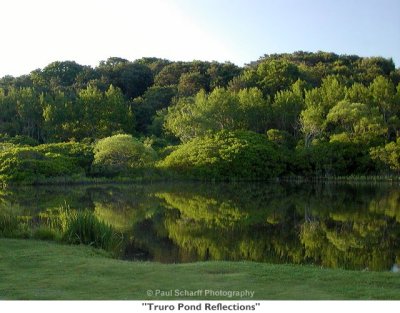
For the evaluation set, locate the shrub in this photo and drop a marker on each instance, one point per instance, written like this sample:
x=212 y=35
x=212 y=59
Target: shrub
x=28 y=165
x=238 y=155
x=121 y=155
x=34 y=164
x=19 y=140
x=333 y=159
x=82 y=154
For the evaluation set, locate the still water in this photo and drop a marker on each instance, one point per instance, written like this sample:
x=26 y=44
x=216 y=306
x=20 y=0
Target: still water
x=352 y=226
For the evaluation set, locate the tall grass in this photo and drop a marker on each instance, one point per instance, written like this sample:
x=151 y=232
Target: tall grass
x=83 y=227
x=8 y=224
x=13 y=226
x=65 y=225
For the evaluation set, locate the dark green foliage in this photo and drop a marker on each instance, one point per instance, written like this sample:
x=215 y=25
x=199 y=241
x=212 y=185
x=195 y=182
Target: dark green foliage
x=171 y=74
x=45 y=233
x=58 y=75
x=132 y=78
x=240 y=155
x=154 y=99
x=9 y=225
x=19 y=140
x=191 y=83
x=273 y=76
x=326 y=159
x=280 y=137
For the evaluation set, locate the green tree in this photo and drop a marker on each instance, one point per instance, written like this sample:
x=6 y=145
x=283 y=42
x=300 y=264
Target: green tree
x=121 y=155
x=271 y=76
x=29 y=111
x=312 y=118
x=358 y=93
x=154 y=64
x=191 y=83
x=171 y=74
x=8 y=113
x=383 y=95
x=190 y=118
x=57 y=76
x=90 y=113
x=58 y=116
x=286 y=108
x=219 y=110
x=388 y=156
x=117 y=115
x=132 y=78
x=357 y=121
x=221 y=74
x=332 y=91
x=155 y=98
x=254 y=110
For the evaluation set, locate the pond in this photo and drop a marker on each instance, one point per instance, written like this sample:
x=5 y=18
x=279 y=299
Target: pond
x=351 y=226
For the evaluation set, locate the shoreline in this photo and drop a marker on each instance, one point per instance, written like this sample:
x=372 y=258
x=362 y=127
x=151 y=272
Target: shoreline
x=32 y=268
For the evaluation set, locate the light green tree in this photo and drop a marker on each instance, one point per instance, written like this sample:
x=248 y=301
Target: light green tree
x=121 y=155
x=357 y=120
x=220 y=110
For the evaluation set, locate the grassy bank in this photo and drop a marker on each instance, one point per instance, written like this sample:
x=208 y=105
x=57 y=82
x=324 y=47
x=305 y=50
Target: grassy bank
x=41 y=270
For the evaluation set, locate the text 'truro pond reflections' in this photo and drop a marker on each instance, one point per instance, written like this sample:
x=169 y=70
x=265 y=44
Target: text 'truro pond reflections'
x=333 y=225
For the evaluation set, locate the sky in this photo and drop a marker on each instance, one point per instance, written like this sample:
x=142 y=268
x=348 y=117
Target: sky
x=35 y=33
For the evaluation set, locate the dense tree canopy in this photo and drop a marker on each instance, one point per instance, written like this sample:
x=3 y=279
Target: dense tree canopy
x=307 y=103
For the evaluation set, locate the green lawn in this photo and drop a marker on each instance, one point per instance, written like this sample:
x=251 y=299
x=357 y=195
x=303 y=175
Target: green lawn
x=41 y=270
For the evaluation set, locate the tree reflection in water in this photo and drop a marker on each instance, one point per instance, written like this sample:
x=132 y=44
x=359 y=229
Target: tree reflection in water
x=353 y=226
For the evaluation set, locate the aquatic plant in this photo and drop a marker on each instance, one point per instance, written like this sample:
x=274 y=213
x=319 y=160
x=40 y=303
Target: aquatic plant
x=83 y=227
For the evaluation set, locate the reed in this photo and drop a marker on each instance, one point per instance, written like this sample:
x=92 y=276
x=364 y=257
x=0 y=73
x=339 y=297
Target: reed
x=83 y=227
x=8 y=224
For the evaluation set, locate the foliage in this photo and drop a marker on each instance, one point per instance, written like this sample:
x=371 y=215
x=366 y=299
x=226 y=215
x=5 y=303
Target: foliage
x=33 y=164
x=388 y=156
x=280 y=137
x=357 y=121
x=191 y=83
x=82 y=227
x=335 y=158
x=132 y=78
x=312 y=97
x=63 y=224
x=145 y=108
x=121 y=155
x=239 y=155
x=220 y=110
x=45 y=233
x=9 y=225
x=18 y=140
x=348 y=225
